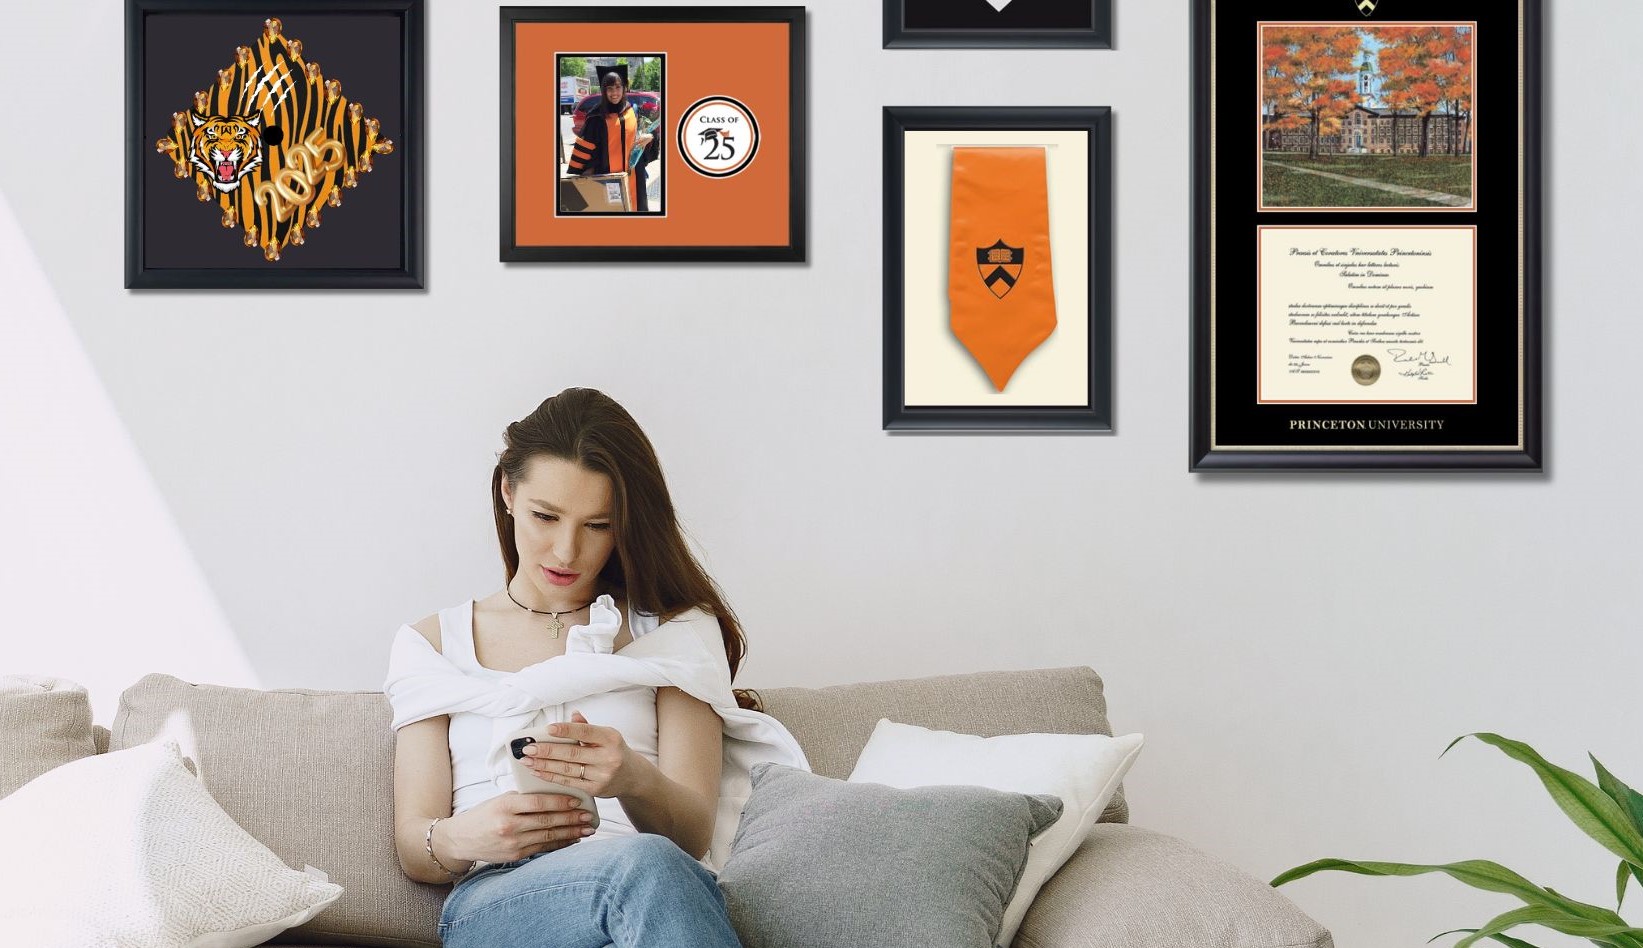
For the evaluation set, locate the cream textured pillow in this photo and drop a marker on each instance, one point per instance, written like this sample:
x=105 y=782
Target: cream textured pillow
x=1082 y=769
x=46 y=722
x=128 y=848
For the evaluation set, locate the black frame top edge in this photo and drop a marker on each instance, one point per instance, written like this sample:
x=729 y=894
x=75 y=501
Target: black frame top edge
x=258 y=6
x=751 y=14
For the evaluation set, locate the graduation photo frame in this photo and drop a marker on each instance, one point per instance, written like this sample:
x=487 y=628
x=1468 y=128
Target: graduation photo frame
x=1367 y=236
x=694 y=150
x=998 y=24
x=998 y=269
x=251 y=165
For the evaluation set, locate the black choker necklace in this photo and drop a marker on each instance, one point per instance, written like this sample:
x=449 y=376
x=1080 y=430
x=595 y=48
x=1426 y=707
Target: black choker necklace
x=557 y=626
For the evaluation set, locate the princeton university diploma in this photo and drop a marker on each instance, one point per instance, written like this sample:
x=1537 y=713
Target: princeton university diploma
x=1367 y=235
x=1367 y=315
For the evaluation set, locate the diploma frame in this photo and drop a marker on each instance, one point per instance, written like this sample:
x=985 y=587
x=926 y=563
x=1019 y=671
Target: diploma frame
x=767 y=220
x=1499 y=426
x=383 y=218
x=1091 y=408
x=962 y=34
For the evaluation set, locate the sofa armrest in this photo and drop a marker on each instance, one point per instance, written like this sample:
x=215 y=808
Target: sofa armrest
x=1128 y=887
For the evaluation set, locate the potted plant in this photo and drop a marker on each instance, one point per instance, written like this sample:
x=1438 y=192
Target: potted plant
x=1607 y=811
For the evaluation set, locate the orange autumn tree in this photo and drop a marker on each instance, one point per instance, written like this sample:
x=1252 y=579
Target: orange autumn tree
x=1423 y=69
x=1396 y=74
x=1457 y=84
x=1307 y=78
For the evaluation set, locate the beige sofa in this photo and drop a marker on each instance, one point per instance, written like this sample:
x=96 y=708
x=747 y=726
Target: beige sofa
x=310 y=774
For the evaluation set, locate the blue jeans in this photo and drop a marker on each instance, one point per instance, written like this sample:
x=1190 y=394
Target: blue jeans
x=628 y=891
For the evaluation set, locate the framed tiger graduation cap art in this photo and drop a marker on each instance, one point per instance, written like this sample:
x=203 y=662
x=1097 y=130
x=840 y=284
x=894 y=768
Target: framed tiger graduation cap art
x=249 y=164
x=652 y=133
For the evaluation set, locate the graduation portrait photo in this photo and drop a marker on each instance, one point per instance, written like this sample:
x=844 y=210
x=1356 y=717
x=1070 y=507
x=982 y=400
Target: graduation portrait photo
x=610 y=134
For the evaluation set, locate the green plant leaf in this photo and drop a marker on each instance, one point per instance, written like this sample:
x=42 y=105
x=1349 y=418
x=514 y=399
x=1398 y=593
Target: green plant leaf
x=1506 y=940
x=1477 y=873
x=1625 y=871
x=1555 y=919
x=1582 y=801
x=1630 y=800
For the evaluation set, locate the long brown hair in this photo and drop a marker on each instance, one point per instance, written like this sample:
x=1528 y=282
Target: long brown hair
x=652 y=567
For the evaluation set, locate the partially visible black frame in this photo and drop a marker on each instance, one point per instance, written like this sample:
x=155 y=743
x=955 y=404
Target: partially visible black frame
x=1205 y=454
x=410 y=152
x=792 y=252
x=898 y=36
x=1096 y=414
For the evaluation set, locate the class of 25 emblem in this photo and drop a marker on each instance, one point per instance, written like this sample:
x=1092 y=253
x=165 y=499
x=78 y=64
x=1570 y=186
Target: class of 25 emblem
x=718 y=136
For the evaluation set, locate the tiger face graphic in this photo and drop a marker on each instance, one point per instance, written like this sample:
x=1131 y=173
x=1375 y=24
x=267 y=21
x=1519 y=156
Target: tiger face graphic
x=225 y=148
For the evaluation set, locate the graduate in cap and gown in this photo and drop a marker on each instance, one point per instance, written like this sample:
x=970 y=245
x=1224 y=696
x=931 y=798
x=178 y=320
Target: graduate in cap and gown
x=611 y=135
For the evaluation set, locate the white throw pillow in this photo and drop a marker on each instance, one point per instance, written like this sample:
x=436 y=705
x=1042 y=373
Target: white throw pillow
x=1084 y=770
x=129 y=848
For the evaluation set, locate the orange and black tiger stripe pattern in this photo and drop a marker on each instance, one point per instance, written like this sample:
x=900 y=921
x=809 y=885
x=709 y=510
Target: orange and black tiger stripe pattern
x=300 y=142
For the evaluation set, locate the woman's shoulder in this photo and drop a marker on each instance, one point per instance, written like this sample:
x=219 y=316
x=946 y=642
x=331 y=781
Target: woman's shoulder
x=428 y=626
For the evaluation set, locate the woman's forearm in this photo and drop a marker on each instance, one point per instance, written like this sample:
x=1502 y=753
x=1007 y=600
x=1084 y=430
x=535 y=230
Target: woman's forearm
x=668 y=808
x=411 y=843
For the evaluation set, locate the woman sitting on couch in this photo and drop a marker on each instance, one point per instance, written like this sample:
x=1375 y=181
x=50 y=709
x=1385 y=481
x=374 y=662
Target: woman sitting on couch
x=610 y=634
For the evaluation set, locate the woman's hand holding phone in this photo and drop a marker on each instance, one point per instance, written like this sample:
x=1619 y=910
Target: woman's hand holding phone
x=515 y=825
x=586 y=758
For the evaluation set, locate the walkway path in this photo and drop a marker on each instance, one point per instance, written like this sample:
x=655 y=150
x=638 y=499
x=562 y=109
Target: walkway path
x=1436 y=197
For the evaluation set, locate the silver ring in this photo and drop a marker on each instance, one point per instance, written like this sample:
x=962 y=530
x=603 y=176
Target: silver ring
x=584 y=774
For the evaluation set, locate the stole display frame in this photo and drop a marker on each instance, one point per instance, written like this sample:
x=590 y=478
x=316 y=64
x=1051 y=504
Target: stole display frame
x=1270 y=357
x=964 y=33
x=400 y=213
x=1093 y=410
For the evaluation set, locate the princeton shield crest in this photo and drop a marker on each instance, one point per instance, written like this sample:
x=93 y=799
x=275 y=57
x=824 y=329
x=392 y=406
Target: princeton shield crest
x=1000 y=266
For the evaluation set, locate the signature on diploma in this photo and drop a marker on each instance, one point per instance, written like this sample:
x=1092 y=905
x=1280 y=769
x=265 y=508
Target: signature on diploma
x=1420 y=364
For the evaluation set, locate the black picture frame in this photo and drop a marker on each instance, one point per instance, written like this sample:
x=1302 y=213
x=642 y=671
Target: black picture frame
x=794 y=248
x=1096 y=414
x=964 y=28
x=1501 y=427
x=410 y=149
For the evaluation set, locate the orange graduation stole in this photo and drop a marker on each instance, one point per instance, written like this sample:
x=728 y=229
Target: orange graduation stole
x=998 y=274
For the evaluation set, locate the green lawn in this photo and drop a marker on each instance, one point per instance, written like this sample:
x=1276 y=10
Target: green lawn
x=1286 y=188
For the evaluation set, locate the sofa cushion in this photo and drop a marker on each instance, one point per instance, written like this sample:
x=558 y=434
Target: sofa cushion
x=309 y=774
x=821 y=863
x=833 y=724
x=1129 y=887
x=46 y=722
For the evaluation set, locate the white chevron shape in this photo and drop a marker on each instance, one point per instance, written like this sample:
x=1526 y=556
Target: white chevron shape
x=999 y=5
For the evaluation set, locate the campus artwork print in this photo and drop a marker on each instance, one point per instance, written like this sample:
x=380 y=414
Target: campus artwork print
x=1376 y=117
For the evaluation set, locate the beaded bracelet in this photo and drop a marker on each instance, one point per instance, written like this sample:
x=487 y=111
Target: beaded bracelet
x=428 y=843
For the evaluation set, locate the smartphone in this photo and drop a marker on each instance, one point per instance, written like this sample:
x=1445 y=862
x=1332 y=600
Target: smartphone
x=528 y=782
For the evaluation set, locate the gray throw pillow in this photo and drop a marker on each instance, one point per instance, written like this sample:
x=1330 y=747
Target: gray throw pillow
x=821 y=863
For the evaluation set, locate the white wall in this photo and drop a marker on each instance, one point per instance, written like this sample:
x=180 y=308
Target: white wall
x=1296 y=649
